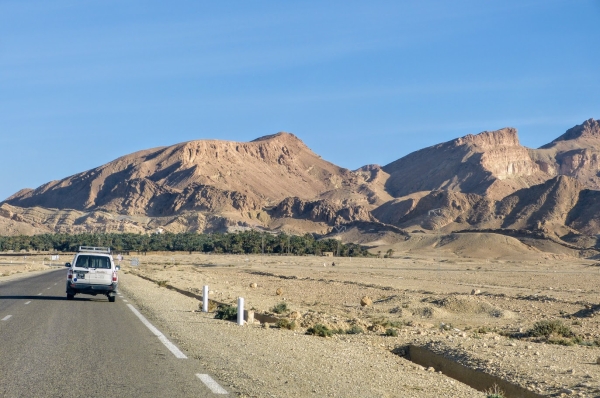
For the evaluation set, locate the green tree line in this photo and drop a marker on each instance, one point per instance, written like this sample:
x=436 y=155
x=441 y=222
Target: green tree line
x=248 y=242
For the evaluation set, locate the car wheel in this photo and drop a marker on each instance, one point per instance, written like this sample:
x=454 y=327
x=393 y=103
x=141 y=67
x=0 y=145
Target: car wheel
x=112 y=298
x=70 y=296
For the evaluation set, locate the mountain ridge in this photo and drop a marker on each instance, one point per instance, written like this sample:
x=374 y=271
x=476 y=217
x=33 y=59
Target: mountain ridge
x=276 y=182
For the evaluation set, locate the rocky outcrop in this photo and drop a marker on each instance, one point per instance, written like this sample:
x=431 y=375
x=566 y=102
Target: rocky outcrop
x=559 y=206
x=575 y=154
x=588 y=130
x=320 y=211
x=471 y=164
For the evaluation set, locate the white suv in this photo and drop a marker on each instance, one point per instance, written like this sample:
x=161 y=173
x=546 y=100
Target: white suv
x=93 y=271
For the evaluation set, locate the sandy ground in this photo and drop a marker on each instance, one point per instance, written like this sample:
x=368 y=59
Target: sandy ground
x=12 y=264
x=475 y=311
x=429 y=301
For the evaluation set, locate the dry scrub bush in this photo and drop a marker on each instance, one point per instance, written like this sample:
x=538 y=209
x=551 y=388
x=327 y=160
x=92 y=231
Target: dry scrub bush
x=391 y=332
x=280 y=308
x=320 y=330
x=546 y=328
x=226 y=312
x=494 y=392
x=286 y=324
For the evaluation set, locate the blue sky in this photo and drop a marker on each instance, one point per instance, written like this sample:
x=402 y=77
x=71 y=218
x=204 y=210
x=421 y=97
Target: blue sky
x=84 y=82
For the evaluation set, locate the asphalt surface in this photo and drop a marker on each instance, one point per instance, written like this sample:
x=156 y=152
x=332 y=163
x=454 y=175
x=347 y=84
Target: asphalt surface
x=86 y=347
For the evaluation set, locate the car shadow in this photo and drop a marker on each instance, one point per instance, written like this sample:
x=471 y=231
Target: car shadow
x=54 y=298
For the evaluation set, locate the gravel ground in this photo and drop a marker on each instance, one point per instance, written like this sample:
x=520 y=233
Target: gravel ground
x=254 y=361
x=477 y=312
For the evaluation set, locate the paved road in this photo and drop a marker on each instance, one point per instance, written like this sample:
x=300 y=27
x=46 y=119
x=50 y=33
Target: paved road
x=88 y=347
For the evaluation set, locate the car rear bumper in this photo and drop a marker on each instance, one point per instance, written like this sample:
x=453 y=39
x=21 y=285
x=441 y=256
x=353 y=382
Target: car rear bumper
x=86 y=288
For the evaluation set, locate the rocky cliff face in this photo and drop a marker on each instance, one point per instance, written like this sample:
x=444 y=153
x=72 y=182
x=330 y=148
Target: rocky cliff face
x=575 y=153
x=321 y=211
x=471 y=164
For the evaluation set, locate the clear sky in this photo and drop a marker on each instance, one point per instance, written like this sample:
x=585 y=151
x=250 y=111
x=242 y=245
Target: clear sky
x=83 y=82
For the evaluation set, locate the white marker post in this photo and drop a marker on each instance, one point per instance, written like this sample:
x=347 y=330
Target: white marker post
x=205 y=298
x=240 y=311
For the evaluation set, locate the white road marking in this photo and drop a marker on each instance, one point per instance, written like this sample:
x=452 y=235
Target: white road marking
x=6 y=318
x=27 y=302
x=55 y=284
x=210 y=383
x=48 y=289
x=39 y=294
x=158 y=334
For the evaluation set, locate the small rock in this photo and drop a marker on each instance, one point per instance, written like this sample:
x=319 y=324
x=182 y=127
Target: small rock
x=475 y=292
x=566 y=391
x=295 y=315
x=431 y=369
x=513 y=344
x=253 y=285
x=279 y=291
x=366 y=301
x=377 y=328
x=536 y=353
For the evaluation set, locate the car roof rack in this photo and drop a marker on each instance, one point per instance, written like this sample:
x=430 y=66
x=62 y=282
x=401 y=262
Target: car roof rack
x=94 y=249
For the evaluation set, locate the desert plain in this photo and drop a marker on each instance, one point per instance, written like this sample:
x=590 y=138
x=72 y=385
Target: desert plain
x=479 y=311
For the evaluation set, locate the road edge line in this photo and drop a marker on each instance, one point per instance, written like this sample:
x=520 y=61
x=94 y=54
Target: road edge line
x=211 y=384
x=176 y=351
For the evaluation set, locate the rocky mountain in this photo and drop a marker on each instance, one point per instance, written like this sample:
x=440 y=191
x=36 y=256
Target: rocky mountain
x=575 y=154
x=484 y=181
x=205 y=185
x=490 y=163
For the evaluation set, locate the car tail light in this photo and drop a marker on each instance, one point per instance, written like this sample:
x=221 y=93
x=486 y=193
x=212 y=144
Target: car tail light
x=70 y=275
x=114 y=276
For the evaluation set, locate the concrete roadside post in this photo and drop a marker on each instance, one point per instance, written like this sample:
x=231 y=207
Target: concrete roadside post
x=205 y=298
x=240 y=314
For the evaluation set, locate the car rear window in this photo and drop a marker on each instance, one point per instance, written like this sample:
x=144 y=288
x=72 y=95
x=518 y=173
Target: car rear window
x=85 y=261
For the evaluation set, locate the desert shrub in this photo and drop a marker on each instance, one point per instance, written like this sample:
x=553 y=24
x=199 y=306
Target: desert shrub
x=386 y=323
x=286 y=324
x=162 y=283
x=280 y=308
x=355 y=330
x=212 y=306
x=391 y=332
x=560 y=341
x=320 y=330
x=227 y=312
x=547 y=327
x=494 y=392
x=483 y=330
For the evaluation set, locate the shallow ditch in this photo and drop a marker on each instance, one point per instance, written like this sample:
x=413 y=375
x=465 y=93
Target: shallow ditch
x=474 y=378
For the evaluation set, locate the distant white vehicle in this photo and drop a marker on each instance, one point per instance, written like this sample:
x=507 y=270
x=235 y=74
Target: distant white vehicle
x=93 y=271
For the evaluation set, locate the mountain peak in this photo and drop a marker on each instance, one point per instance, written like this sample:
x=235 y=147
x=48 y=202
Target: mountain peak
x=280 y=136
x=589 y=129
x=490 y=139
